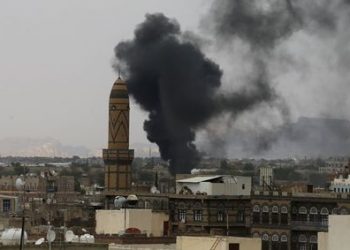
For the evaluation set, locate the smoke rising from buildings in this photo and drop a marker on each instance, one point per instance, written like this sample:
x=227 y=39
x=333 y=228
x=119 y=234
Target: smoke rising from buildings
x=171 y=76
x=177 y=84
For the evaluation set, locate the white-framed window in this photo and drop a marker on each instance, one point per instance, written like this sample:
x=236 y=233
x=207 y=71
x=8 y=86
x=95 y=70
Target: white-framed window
x=6 y=205
x=182 y=215
x=197 y=215
x=220 y=216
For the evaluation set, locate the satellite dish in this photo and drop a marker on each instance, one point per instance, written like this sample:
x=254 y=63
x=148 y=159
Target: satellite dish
x=39 y=241
x=154 y=190
x=51 y=235
x=119 y=201
x=19 y=183
x=69 y=236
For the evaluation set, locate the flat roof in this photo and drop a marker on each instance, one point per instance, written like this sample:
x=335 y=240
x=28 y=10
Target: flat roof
x=200 y=179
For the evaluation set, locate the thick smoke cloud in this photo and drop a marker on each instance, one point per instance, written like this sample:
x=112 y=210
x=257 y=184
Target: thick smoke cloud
x=263 y=30
x=172 y=78
x=174 y=82
x=177 y=84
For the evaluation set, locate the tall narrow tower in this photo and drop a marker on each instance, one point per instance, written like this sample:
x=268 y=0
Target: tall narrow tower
x=118 y=156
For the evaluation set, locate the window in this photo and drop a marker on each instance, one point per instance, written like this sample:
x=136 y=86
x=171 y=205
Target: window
x=313 y=242
x=256 y=214
x=6 y=205
x=313 y=214
x=302 y=214
x=284 y=215
x=302 y=242
x=265 y=242
x=220 y=216
x=182 y=215
x=275 y=215
x=265 y=215
x=284 y=242
x=243 y=186
x=197 y=215
x=275 y=242
x=324 y=216
x=233 y=246
x=241 y=216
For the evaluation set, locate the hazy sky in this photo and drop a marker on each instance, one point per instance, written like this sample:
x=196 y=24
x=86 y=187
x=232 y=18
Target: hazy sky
x=56 y=67
x=55 y=63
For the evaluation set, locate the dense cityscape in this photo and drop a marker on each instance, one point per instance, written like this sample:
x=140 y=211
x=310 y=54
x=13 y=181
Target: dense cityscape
x=175 y=125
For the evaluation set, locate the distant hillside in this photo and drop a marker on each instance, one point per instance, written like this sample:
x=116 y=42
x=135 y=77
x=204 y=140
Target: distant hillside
x=44 y=147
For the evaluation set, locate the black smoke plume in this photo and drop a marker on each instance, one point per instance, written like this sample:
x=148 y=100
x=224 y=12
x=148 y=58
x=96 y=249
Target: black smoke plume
x=177 y=84
x=174 y=82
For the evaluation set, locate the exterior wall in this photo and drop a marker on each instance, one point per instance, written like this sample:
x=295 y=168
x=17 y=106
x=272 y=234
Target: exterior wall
x=200 y=243
x=112 y=221
x=158 y=220
x=266 y=176
x=322 y=241
x=243 y=186
x=338 y=234
x=57 y=246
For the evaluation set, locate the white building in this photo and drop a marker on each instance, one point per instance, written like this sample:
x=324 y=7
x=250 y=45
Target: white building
x=266 y=176
x=217 y=242
x=215 y=185
x=337 y=237
x=340 y=185
x=117 y=220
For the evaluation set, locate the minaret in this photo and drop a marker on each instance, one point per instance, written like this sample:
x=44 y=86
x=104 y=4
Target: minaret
x=118 y=156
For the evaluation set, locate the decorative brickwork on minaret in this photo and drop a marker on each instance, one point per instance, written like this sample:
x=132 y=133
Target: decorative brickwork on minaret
x=118 y=156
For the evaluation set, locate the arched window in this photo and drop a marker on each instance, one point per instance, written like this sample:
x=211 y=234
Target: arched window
x=302 y=210
x=324 y=211
x=302 y=238
x=275 y=244
x=265 y=241
x=313 y=242
x=265 y=215
x=284 y=238
x=265 y=209
x=344 y=211
x=274 y=209
x=313 y=214
x=294 y=213
x=256 y=214
x=313 y=239
x=256 y=209
x=302 y=214
x=256 y=235
x=324 y=216
x=275 y=215
x=335 y=210
x=284 y=215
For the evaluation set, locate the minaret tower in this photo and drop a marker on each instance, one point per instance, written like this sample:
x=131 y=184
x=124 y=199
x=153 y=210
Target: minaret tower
x=118 y=156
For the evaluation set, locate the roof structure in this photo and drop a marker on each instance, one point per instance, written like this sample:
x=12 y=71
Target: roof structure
x=200 y=179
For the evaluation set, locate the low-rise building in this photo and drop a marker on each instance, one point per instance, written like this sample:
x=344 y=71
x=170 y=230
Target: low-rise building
x=215 y=185
x=116 y=221
x=217 y=242
x=337 y=236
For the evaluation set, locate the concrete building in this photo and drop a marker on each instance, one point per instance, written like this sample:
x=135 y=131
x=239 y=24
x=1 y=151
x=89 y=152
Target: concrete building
x=118 y=156
x=116 y=221
x=218 y=242
x=215 y=185
x=266 y=177
x=340 y=185
x=337 y=236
